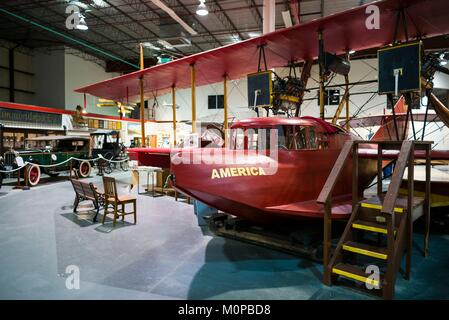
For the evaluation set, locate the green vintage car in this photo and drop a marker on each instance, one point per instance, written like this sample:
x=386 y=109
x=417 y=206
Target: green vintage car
x=49 y=155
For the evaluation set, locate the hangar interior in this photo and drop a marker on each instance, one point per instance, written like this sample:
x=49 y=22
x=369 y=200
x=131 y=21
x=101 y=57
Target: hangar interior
x=334 y=115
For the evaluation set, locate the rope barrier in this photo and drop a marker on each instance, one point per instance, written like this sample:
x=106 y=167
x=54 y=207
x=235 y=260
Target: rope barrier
x=113 y=161
x=14 y=170
x=61 y=163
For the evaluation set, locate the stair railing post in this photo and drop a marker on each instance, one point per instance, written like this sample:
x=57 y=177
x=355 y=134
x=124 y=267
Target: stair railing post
x=388 y=284
x=406 y=154
x=410 y=195
x=355 y=175
x=379 y=169
x=427 y=202
x=325 y=199
x=327 y=280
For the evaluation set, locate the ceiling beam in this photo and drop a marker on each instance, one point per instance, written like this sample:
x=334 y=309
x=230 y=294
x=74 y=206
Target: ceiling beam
x=83 y=40
x=159 y=17
x=224 y=18
x=200 y=24
x=148 y=30
x=93 y=31
x=256 y=14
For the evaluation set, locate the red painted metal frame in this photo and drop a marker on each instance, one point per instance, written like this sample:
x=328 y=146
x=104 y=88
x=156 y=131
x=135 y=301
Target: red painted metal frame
x=342 y=32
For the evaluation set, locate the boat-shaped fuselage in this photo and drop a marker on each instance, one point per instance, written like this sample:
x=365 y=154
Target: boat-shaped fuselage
x=268 y=163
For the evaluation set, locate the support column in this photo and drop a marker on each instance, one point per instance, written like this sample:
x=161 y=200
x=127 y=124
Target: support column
x=225 y=106
x=295 y=6
x=347 y=101
x=142 y=99
x=269 y=16
x=320 y=62
x=173 y=95
x=193 y=85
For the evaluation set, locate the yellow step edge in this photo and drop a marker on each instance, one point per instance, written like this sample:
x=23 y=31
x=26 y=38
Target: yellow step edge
x=436 y=200
x=356 y=277
x=379 y=207
x=369 y=228
x=365 y=252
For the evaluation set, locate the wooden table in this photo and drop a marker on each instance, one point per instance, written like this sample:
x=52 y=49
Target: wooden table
x=135 y=173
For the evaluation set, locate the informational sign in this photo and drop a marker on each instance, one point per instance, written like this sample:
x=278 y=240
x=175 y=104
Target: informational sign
x=400 y=68
x=260 y=87
x=31 y=117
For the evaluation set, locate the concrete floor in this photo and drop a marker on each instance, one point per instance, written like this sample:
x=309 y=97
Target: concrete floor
x=165 y=256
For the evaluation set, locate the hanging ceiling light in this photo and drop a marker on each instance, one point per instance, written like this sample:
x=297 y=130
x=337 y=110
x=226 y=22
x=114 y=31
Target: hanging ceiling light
x=82 y=25
x=443 y=59
x=202 y=9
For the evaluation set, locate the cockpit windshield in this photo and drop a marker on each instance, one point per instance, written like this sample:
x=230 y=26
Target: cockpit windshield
x=289 y=137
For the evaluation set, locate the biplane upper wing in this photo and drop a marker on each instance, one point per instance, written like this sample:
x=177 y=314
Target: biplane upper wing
x=341 y=32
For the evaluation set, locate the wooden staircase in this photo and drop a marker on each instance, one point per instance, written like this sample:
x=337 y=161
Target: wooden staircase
x=379 y=232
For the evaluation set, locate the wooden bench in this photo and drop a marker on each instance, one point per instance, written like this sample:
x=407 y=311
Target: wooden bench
x=87 y=192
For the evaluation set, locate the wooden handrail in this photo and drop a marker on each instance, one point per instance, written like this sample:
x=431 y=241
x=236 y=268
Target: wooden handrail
x=395 y=184
x=332 y=179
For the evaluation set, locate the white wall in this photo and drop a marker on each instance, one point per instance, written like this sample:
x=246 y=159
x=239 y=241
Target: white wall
x=79 y=73
x=363 y=102
x=238 y=104
x=441 y=81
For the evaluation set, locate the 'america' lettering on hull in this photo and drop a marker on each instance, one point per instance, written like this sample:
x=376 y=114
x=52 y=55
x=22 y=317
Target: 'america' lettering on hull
x=236 y=172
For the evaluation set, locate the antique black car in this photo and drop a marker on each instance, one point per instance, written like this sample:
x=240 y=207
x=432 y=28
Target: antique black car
x=2 y=174
x=50 y=155
x=106 y=143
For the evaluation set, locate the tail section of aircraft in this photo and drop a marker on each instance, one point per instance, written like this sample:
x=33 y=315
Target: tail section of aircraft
x=387 y=130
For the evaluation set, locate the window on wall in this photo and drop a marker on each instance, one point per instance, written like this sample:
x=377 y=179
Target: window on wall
x=216 y=102
x=331 y=97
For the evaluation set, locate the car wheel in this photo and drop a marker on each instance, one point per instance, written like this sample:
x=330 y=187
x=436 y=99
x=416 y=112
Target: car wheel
x=33 y=175
x=108 y=168
x=124 y=165
x=84 y=169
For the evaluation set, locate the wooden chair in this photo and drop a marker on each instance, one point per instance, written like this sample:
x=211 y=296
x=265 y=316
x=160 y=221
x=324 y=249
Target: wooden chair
x=116 y=202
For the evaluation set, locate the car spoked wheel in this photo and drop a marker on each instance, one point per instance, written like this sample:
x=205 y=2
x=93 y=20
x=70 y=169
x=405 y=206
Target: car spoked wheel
x=124 y=165
x=84 y=169
x=107 y=165
x=33 y=175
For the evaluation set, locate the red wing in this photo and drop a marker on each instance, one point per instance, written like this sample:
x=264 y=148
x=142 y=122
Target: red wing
x=342 y=32
x=373 y=121
x=341 y=209
x=438 y=155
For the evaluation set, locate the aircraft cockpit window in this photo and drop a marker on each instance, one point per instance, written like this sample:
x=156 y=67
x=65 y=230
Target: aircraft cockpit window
x=250 y=139
x=237 y=139
x=297 y=138
x=312 y=138
x=252 y=135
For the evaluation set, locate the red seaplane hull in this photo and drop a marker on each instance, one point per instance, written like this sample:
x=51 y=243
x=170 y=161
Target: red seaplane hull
x=248 y=189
